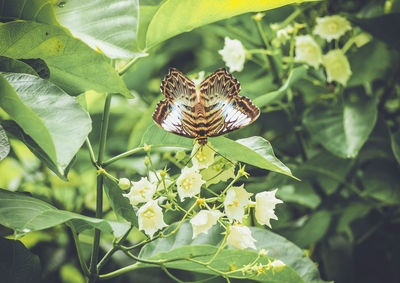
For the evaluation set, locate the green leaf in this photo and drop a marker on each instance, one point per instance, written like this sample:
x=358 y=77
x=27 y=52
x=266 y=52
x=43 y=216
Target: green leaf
x=354 y=211
x=395 y=144
x=176 y=16
x=17 y=263
x=120 y=204
x=301 y=193
x=25 y=214
x=313 y=230
x=4 y=144
x=295 y=75
x=254 y=150
x=112 y=30
x=384 y=27
x=342 y=129
x=45 y=112
x=33 y=10
x=180 y=245
x=73 y=65
x=15 y=66
x=378 y=55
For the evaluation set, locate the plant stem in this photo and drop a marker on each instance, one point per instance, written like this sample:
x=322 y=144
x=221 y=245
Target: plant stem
x=122 y=155
x=79 y=251
x=91 y=153
x=99 y=194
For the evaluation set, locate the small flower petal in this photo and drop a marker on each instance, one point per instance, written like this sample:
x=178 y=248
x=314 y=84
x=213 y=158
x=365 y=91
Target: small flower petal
x=337 y=66
x=331 y=27
x=308 y=51
x=236 y=200
x=141 y=191
x=189 y=183
x=203 y=156
x=233 y=54
x=150 y=218
x=265 y=205
x=240 y=237
x=204 y=220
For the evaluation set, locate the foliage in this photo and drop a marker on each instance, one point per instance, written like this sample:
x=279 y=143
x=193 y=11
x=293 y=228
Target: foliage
x=79 y=81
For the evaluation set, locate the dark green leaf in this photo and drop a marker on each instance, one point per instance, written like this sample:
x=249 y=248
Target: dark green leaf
x=54 y=120
x=25 y=214
x=17 y=263
x=4 y=144
x=254 y=150
x=265 y=99
x=33 y=10
x=113 y=31
x=342 y=129
x=73 y=65
x=383 y=27
x=395 y=143
x=120 y=204
x=15 y=66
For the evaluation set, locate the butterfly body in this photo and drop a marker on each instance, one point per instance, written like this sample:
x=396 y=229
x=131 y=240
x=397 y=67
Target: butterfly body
x=212 y=109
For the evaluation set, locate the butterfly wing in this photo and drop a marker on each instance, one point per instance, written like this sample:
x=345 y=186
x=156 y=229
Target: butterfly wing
x=226 y=110
x=175 y=113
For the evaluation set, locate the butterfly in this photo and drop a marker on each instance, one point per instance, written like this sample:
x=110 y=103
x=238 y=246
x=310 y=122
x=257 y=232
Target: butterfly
x=210 y=109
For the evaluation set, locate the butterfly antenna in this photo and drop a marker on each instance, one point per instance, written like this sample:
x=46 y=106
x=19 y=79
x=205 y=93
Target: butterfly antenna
x=221 y=155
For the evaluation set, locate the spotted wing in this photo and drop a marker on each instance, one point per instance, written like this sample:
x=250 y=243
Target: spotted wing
x=175 y=113
x=226 y=111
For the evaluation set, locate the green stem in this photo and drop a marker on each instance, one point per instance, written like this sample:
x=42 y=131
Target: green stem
x=271 y=61
x=122 y=155
x=99 y=194
x=79 y=251
x=130 y=64
x=91 y=153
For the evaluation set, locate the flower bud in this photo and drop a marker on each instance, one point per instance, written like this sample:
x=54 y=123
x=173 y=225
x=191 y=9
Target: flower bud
x=124 y=183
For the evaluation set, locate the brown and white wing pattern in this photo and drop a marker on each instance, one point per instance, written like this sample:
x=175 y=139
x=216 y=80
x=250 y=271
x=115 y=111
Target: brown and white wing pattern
x=226 y=111
x=175 y=113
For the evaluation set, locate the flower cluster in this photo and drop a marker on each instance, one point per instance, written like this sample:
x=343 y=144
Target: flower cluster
x=335 y=61
x=230 y=208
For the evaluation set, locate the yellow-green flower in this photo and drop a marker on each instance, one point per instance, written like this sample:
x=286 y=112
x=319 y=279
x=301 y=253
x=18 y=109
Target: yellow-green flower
x=331 y=27
x=337 y=66
x=308 y=51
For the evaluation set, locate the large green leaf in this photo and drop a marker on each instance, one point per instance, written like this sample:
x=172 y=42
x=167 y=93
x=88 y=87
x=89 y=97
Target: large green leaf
x=108 y=25
x=342 y=129
x=180 y=245
x=120 y=204
x=17 y=263
x=4 y=144
x=53 y=119
x=294 y=76
x=176 y=16
x=384 y=27
x=33 y=10
x=24 y=214
x=15 y=66
x=73 y=65
x=254 y=150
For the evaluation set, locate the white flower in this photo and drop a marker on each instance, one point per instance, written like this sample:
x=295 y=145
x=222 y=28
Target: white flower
x=308 y=51
x=237 y=198
x=141 y=191
x=203 y=156
x=233 y=54
x=276 y=265
x=189 y=182
x=158 y=181
x=240 y=237
x=204 y=220
x=331 y=27
x=265 y=205
x=283 y=34
x=337 y=66
x=150 y=218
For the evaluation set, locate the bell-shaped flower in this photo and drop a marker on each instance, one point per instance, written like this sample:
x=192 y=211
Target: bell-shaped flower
x=189 y=183
x=240 y=237
x=236 y=200
x=204 y=220
x=203 y=156
x=331 y=27
x=265 y=207
x=141 y=191
x=233 y=54
x=150 y=218
x=337 y=66
x=308 y=51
